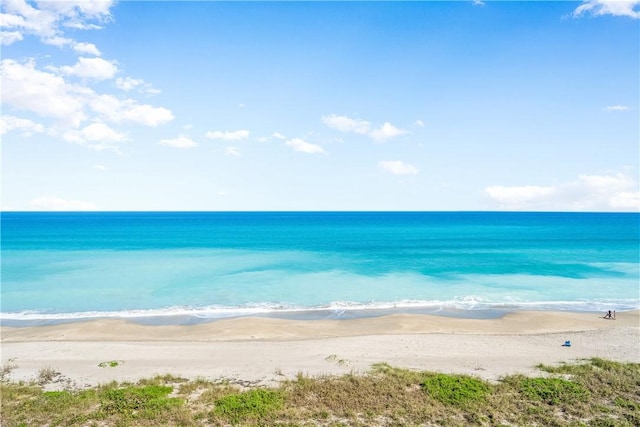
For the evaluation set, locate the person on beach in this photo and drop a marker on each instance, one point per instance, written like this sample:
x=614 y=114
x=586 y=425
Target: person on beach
x=610 y=315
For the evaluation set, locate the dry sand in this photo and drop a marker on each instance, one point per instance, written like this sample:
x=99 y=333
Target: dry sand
x=267 y=350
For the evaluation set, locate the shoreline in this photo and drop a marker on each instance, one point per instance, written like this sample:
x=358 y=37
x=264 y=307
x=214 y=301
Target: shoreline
x=269 y=350
x=9 y=320
x=282 y=329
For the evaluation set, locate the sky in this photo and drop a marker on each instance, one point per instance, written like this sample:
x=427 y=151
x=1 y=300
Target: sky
x=316 y=106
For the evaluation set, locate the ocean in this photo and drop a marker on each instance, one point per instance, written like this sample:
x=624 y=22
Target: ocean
x=189 y=267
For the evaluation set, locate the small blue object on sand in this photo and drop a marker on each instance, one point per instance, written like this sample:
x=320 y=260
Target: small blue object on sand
x=567 y=344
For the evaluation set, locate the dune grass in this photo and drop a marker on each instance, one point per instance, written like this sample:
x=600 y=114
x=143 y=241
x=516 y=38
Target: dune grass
x=594 y=393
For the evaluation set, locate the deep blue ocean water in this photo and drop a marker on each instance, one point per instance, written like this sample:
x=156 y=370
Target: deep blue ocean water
x=183 y=266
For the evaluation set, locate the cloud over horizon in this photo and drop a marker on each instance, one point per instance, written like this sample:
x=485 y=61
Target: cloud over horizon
x=614 y=192
x=55 y=203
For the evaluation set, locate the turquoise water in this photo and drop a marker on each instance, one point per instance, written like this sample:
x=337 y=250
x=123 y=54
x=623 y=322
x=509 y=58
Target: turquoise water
x=210 y=265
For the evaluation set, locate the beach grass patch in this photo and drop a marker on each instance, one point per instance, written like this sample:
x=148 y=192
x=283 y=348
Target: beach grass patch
x=139 y=400
x=166 y=379
x=251 y=404
x=628 y=404
x=604 y=378
x=553 y=391
x=405 y=376
x=456 y=390
x=58 y=396
x=197 y=386
x=110 y=364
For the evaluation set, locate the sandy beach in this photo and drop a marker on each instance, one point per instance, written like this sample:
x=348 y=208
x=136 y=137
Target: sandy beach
x=268 y=350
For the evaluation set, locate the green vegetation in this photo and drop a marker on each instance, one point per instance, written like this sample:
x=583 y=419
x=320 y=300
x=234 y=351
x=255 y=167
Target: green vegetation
x=457 y=390
x=110 y=364
x=253 y=404
x=553 y=391
x=594 y=393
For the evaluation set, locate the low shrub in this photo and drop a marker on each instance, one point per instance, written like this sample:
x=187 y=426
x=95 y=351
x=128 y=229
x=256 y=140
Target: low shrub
x=139 y=400
x=252 y=404
x=457 y=390
x=553 y=391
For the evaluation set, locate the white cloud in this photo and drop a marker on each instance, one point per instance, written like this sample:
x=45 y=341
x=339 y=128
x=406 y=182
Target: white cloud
x=100 y=168
x=8 y=37
x=81 y=26
x=617 y=108
x=179 y=142
x=346 y=124
x=25 y=87
x=232 y=151
x=97 y=136
x=92 y=68
x=8 y=20
x=64 y=94
x=630 y=8
x=278 y=135
x=144 y=114
x=586 y=193
x=625 y=200
x=46 y=94
x=55 y=203
x=96 y=132
x=478 y=3
x=386 y=131
x=419 y=123
x=58 y=41
x=8 y=123
x=398 y=167
x=228 y=135
x=74 y=11
x=81 y=48
x=114 y=109
x=515 y=196
x=362 y=127
x=50 y=17
x=88 y=48
x=299 y=144
x=129 y=83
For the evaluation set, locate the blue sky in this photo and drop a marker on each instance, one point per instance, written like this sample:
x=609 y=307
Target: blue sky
x=204 y=105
